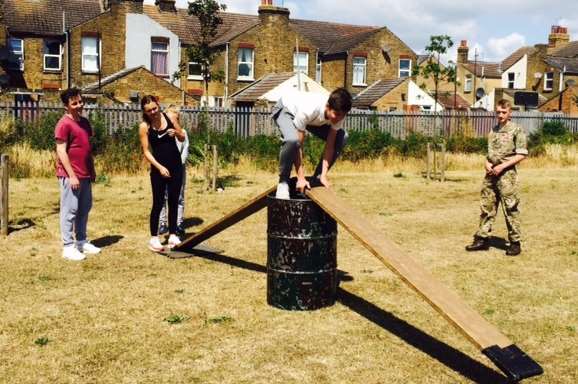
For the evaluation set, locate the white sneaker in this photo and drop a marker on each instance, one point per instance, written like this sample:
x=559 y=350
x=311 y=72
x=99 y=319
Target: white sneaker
x=155 y=244
x=87 y=248
x=282 y=191
x=173 y=241
x=72 y=253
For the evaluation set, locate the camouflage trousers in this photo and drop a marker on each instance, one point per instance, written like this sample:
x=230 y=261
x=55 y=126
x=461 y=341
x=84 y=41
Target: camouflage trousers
x=504 y=191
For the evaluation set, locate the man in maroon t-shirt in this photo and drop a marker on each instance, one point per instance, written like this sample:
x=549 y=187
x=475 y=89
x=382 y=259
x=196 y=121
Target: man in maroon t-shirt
x=75 y=172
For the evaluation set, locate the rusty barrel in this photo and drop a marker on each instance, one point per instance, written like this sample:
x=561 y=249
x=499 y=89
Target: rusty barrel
x=301 y=255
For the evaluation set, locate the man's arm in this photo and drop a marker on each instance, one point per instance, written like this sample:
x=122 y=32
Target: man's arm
x=302 y=183
x=327 y=156
x=65 y=160
x=179 y=132
x=498 y=169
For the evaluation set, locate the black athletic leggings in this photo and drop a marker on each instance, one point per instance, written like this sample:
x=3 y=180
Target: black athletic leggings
x=173 y=186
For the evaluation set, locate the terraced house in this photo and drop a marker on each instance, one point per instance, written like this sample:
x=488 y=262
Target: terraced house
x=121 y=49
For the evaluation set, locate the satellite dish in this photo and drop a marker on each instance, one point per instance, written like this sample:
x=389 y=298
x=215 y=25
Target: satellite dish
x=480 y=92
x=537 y=75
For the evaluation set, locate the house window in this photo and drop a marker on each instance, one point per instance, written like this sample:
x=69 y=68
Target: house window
x=511 y=80
x=52 y=55
x=245 y=58
x=359 y=71
x=301 y=62
x=160 y=57
x=318 y=70
x=90 y=52
x=549 y=81
x=195 y=71
x=404 y=67
x=16 y=59
x=219 y=101
x=468 y=84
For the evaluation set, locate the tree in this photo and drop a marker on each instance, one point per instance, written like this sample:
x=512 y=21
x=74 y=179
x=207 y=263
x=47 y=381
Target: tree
x=201 y=52
x=438 y=45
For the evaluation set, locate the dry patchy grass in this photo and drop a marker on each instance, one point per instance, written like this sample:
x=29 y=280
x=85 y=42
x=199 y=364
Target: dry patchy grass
x=131 y=316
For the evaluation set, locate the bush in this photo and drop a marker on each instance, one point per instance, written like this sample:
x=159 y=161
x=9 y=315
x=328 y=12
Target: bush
x=40 y=134
x=553 y=132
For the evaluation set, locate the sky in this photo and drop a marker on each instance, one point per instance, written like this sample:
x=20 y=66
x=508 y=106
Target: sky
x=493 y=28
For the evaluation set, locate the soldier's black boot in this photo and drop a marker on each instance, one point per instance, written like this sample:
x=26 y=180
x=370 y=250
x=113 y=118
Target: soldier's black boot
x=514 y=249
x=479 y=244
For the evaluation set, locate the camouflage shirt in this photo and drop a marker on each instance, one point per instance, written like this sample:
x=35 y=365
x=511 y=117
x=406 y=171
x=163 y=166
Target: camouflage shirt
x=506 y=142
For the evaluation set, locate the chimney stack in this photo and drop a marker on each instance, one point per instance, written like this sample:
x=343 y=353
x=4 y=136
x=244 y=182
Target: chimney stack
x=166 y=5
x=463 y=52
x=270 y=13
x=558 y=37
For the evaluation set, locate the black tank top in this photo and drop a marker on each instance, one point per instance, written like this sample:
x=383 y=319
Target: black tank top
x=164 y=147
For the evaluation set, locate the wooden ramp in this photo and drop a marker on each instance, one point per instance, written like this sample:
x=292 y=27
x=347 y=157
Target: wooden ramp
x=252 y=206
x=515 y=363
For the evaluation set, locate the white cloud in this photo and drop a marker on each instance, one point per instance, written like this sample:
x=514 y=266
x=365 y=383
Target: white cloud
x=501 y=47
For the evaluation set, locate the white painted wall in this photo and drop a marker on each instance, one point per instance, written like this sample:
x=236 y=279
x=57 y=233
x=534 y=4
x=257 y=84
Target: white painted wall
x=487 y=102
x=139 y=30
x=520 y=68
x=417 y=96
x=307 y=85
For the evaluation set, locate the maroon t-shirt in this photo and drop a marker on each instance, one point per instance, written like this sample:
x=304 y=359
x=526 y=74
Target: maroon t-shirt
x=76 y=134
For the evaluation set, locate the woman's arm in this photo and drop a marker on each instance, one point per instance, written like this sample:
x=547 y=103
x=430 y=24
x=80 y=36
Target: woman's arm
x=144 y=142
x=179 y=133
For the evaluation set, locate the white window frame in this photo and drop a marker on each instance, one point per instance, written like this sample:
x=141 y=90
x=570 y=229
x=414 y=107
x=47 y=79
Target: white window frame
x=14 y=65
x=194 y=77
x=511 y=80
x=408 y=70
x=98 y=53
x=318 y=70
x=296 y=59
x=468 y=83
x=548 y=80
x=153 y=41
x=363 y=65
x=47 y=55
x=251 y=63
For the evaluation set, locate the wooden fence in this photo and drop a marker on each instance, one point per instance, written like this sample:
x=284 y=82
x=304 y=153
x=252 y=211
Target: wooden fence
x=247 y=122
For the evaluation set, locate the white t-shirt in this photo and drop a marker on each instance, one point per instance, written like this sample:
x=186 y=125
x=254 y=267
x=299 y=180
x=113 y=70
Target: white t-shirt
x=308 y=108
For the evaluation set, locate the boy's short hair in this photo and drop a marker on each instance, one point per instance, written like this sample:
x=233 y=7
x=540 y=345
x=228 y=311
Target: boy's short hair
x=503 y=103
x=69 y=93
x=340 y=100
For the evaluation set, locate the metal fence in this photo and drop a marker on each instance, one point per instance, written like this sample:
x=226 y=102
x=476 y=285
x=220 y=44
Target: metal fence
x=245 y=122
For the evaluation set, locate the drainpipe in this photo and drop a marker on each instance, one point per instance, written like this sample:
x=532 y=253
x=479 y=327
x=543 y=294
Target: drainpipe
x=68 y=46
x=561 y=87
x=226 y=103
x=345 y=70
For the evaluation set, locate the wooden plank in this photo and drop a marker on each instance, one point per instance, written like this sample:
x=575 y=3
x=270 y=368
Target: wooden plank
x=252 y=206
x=4 y=175
x=446 y=302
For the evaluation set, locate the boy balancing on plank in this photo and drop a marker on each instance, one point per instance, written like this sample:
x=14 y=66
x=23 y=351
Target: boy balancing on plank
x=297 y=112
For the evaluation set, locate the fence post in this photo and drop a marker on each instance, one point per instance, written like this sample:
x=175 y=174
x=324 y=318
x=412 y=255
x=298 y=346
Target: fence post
x=428 y=161
x=443 y=166
x=4 y=174
x=215 y=168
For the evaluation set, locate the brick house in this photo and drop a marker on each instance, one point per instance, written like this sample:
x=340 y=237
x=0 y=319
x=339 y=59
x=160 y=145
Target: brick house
x=56 y=43
x=546 y=69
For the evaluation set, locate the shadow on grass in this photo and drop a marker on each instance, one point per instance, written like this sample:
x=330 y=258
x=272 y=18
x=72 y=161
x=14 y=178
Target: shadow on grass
x=436 y=349
x=192 y=222
x=107 y=241
x=20 y=225
x=498 y=242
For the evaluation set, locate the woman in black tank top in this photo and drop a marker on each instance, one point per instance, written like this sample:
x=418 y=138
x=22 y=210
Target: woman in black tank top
x=157 y=135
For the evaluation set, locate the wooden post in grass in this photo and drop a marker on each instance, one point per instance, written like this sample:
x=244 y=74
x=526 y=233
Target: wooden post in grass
x=443 y=161
x=4 y=195
x=207 y=182
x=428 y=162
x=215 y=168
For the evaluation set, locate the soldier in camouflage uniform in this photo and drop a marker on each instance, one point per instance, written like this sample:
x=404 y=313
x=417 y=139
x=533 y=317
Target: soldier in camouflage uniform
x=506 y=147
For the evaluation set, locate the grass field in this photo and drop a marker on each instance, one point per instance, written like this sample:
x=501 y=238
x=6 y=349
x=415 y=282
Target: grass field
x=131 y=316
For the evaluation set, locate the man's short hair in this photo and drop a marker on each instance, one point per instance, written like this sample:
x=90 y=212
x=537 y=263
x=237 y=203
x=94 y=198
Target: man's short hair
x=503 y=103
x=340 y=100
x=69 y=93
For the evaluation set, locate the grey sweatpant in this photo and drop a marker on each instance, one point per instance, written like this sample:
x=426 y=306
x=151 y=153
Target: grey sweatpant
x=74 y=208
x=163 y=218
x=289 y=150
